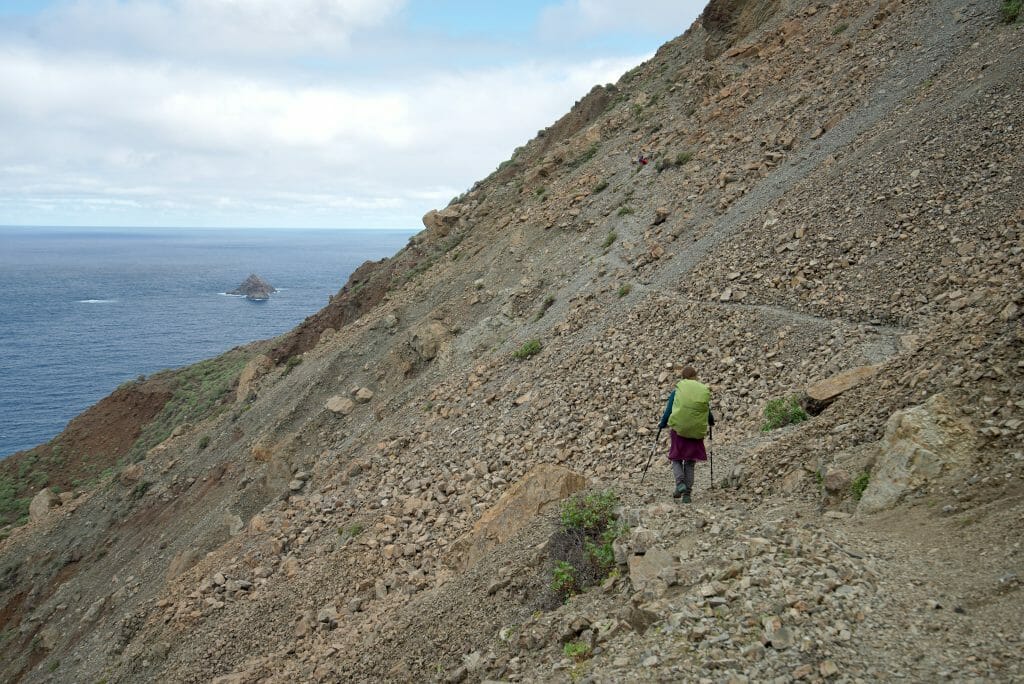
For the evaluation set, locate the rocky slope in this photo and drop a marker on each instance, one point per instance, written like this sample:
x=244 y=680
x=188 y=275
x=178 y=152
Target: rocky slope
x=832 y=187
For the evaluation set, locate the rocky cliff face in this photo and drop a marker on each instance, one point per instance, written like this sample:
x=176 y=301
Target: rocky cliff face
x=831 y=187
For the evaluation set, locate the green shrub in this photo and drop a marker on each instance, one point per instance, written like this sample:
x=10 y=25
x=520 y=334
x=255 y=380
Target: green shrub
x=204 y=442
x=625 y=210
x=529 y=348
x=140 y=490
x=610 y=240
x=291 y=363
x=840 y=28
x=563 y=579
x=1010 y=11
x=590 y=513
x=624 y=289
x=859 y=484
x=782 y=411
x=600 y=187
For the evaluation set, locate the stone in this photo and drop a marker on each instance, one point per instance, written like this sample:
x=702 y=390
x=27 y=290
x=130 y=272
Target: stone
x=41 y=504
x=339 y=405
x=643 y=569
x=539 y=489
x=253 y=371
x=363 y=395
x=918 y=445
x=824 y=392
x=131 y=474
x=836 y=480
x=660 y=214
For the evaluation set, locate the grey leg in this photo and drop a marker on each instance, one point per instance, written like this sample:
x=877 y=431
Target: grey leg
x=678 y=471
x=687 y=474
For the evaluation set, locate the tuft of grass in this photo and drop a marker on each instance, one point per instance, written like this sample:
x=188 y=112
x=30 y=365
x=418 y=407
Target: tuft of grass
x=1010 y=11
x=624 y=290
x=625 y=210
x=610 y=240
x=291 y=363
x=782 y=411
x=529 y=348
x=600 y=187
x=859 y=484
x=577 y=650
x=840 y=28
x=204 y=442
x=679 y=160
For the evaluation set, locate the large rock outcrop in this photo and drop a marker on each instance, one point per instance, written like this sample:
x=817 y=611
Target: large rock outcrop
x=919 y=445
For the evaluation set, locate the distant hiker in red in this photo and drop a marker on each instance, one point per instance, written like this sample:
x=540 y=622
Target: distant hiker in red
x=689 y=416
x=642 y=159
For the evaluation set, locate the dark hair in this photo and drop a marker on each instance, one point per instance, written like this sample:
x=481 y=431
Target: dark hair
x=689 y=373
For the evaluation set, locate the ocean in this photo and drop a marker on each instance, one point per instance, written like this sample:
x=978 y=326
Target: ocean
x=85 y=309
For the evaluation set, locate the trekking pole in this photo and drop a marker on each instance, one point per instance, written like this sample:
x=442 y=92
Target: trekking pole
x=653 y=447
x=711 y=453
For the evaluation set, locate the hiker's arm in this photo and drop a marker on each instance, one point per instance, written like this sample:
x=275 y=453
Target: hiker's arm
x=668 y=410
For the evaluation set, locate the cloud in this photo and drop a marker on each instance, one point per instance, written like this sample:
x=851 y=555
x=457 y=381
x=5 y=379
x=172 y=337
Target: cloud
x=164 y=143
x=585 y=18
x=197 y=28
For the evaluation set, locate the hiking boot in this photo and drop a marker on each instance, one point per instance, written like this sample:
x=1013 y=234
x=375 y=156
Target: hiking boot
x=681 y=491
x=686 y=497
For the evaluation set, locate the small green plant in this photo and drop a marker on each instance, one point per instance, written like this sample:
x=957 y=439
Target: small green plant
x=140 y=490
x=625 y=210
x=204 y=442
x=563 y=579
x=600 y=187
x=782 y=411
x=1010 y=10
x=54 y=664
x=540 y=191
x=683 y=158
x=587 y=155
x=610 y=240
x=577 y=650
x=624 y=289
x=350 y=531
x=529 y=348
x=859 y=484
x=840 y=28
x=291 y=363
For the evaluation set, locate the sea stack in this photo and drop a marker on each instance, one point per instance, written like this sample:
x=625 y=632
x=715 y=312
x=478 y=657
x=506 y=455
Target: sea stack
x=254 y=288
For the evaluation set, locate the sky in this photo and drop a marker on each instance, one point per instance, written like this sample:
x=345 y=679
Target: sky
x=290 y=113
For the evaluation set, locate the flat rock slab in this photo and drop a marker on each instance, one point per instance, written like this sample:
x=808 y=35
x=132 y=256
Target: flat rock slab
x=825 y=391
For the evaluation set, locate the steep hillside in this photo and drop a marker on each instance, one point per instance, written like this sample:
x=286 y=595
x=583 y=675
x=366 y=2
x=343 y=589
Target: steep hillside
x=832 y=188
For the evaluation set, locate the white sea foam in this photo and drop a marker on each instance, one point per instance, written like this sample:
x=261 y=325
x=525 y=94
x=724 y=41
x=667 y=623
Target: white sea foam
x=227 y=294
x=96 y=301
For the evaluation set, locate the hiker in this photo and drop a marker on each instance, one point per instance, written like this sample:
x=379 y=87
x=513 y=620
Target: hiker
x=688 y=414
x=642 y=159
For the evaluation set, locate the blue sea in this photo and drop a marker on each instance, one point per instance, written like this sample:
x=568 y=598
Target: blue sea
x=84 y=309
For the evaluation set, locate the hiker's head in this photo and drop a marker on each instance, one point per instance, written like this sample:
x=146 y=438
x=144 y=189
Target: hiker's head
x=689 y=373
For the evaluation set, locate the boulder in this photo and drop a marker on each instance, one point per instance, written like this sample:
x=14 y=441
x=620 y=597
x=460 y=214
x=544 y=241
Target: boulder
x=440 y=223
x=919 y=444
x=41 y=504
x=426 y=341
x=363 y=395
x=539 y=489
x=339 y=405
x=643 y=569
x=824 y=392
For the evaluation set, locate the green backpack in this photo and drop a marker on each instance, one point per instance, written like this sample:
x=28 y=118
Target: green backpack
x=689 y=417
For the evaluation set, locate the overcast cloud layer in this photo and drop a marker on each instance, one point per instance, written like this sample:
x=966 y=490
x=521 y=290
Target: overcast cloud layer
x=319 y=113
